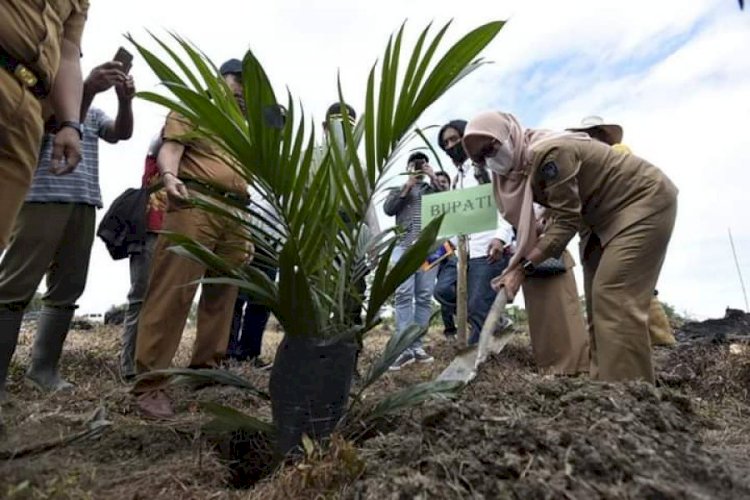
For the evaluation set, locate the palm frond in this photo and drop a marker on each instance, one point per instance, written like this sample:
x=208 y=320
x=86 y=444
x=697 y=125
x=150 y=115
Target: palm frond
x=319 y=193
x=397 y=344
x=227 y=420
x=414 y=395
x=201 y=376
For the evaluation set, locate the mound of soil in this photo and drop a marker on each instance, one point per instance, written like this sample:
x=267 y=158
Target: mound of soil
x=519 y=435
x=734 y=325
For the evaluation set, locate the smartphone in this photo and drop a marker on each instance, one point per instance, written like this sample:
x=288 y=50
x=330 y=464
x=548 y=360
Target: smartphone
x=125 y=58
x=418 y=164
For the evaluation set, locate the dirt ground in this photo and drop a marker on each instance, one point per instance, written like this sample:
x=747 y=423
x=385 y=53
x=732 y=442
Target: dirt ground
x=511 y=434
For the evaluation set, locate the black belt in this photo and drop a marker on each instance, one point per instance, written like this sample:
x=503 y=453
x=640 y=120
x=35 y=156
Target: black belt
x=23 y=74
x=213 y=190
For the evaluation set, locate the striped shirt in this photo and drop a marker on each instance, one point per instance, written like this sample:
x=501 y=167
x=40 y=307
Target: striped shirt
x=408 y=210
x=80 y=186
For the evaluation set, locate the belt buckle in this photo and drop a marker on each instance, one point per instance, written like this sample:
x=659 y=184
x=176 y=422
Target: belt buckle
x=25 y=75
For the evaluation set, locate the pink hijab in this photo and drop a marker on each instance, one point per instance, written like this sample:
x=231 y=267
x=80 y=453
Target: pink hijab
x=513 y=193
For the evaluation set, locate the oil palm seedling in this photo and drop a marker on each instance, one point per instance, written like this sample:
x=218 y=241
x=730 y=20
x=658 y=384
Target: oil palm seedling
x=314 y=231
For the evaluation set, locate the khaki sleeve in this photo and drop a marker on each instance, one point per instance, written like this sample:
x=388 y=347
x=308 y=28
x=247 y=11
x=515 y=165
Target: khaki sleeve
x=176 y=128
x=557 y=176
x=73 y=25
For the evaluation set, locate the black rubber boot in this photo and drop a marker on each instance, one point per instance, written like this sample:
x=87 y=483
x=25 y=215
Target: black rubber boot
x=43 y=373
x=10 y=326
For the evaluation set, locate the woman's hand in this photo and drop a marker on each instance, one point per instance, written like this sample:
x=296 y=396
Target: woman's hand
x=511 y=280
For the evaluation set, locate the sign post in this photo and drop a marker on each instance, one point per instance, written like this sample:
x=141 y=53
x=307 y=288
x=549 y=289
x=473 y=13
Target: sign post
x=462 y=296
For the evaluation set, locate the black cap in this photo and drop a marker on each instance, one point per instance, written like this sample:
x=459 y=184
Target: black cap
x=418 y=156
x=231 y=67
x=335 y=110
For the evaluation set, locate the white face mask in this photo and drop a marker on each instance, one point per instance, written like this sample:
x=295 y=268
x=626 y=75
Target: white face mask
x=502 y=162
x=336 y=134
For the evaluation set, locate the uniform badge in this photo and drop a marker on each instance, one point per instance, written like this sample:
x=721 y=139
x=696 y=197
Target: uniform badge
x=549 y=171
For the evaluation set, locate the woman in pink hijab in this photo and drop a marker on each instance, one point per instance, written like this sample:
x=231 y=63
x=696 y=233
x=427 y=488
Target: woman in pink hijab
x=626 y=205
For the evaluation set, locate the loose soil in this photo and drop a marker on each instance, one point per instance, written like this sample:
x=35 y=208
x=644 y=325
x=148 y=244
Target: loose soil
x=511 y=434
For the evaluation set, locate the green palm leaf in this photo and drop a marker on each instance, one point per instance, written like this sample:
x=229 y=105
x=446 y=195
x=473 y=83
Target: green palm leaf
x=190 y=376
x=414 y=395
x=320 y=257
x=226 y=419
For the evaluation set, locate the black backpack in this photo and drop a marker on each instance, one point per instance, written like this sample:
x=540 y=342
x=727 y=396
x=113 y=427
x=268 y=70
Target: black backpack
x=123 y=228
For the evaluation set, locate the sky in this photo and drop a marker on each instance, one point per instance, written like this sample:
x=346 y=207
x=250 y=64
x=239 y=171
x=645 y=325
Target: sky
x=673 y=73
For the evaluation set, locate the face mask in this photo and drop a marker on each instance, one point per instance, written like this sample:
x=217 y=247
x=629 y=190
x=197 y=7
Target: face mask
x=457 y=153
x=502 y=162
x=336 y=134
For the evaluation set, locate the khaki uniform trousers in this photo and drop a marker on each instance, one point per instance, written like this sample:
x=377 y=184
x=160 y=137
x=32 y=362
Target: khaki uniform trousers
x=171 y=291
x=556 y=325
x=21 y=128
x=619 y=280
x=52 y=239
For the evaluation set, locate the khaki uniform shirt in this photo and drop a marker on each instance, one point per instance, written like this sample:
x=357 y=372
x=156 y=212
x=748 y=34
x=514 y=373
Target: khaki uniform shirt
x=32 y=31
x=202 y=159
x=590 y=186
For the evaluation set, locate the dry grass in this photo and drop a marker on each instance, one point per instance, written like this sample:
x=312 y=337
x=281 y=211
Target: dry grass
x=136 y=458
x=324 y=472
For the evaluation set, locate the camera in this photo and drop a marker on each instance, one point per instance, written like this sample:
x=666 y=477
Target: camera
x=419 y=164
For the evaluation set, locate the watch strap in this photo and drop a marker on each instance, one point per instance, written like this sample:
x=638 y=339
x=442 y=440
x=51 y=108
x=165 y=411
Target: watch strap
x=74 y=125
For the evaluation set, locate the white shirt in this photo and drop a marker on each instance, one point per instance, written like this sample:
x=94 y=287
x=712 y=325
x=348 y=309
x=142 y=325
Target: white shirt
x=479 y=242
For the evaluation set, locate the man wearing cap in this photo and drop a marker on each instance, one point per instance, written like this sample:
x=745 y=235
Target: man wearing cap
x=413 y=297
x=40 y=74
x=659 y=329
x=190 y=166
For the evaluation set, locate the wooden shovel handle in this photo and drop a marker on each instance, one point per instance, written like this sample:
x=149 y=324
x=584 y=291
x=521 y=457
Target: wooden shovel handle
x=490 y=324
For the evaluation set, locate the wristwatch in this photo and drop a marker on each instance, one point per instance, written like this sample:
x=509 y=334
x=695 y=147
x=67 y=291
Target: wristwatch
x=528 y=267
x=74 y=125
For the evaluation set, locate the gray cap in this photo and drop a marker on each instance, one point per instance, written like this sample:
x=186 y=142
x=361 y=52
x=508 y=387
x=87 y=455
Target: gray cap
x=231 y=67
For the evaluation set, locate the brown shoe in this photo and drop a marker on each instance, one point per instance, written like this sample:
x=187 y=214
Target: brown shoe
x=155 y=405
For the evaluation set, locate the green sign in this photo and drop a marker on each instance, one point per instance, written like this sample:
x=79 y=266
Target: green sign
x=466 y=211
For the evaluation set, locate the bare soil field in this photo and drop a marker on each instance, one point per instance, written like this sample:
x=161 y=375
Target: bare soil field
x=512 y=433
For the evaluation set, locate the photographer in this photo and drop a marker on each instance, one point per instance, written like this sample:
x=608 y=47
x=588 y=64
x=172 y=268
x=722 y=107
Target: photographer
x=413 y=298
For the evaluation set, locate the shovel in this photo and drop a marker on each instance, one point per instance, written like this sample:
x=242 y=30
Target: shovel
x=464 y=366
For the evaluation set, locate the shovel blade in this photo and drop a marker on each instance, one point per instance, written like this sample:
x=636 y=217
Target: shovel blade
x=464 y=366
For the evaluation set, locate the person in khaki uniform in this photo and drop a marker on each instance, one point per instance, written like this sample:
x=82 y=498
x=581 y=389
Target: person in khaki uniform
x=627 y=204
x=556 y=326
x=659 y=328
x=40 y=75
x=187 y=166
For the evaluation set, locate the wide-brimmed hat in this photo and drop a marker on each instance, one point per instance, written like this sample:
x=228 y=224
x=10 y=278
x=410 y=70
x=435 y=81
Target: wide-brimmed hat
x=613 y=130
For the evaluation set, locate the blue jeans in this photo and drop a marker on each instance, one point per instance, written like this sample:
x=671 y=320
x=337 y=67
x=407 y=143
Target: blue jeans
x=446 y=279
x=248 y=324
x=413 y=298
x=480 y=293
